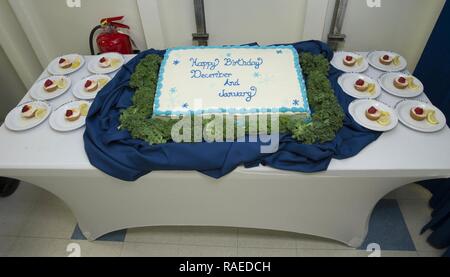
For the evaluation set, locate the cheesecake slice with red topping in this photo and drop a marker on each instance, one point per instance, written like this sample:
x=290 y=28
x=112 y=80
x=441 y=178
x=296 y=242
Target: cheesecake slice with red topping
x=386 y=60
x=91 y=85
x=65 y=63
x=50 y=86
x=361 y=85
x=104 y=62
x=28 y=111
x=401 y=82
x=418 y=114
x=349 y=61
x=373 y=114
x=72 y=115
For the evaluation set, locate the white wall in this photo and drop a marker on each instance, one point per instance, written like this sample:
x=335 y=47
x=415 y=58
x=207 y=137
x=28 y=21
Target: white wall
x=55 y=29
x=264 y=21
x=11 y=89
x=228 y=22
x=17 y=47
x=403 y=26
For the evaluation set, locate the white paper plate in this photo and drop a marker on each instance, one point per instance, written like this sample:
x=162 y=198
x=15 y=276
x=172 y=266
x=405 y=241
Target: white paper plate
x=386 y=81
x=54 y=68
x=338 y=62
x=347 y=82
x=404 y=112
x=79 y=91
x=58 y=121
x=38 y=92
x=15 y=122
x=95 y=68
x=374 y=60
x=358 y=110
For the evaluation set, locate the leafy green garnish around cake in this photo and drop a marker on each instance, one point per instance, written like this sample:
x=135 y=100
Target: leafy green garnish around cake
x=327 y=118
x=328 y=115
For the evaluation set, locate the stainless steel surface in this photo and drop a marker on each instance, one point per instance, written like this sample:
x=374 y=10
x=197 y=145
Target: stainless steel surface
x=335 y=35
x=201 y=37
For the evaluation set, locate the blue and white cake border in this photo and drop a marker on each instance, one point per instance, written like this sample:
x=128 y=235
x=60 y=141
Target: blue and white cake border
x=283 y=110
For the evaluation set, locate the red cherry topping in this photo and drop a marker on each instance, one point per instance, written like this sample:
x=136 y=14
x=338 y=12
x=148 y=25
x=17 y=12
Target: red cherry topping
x=360 y=82
x=69 y=113
x=372 y=110
x=349 y=58
x=25 y=108
x=103 y=59
x=419 y=111
x=386 y=57
x=402 y=80
x=62 y=60
x=88 y=83
x=48 y=83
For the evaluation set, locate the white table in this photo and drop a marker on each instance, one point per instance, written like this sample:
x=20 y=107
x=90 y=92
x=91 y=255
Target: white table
x=336 y=204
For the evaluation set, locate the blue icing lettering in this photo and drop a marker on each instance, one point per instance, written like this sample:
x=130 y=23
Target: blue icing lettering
x=244 y=62
x=198 y=74
x=229 y=83
x=205 y=65
x=247 y=95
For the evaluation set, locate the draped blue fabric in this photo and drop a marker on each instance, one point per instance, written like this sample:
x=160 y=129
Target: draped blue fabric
x=434 y=71
x=116 y=153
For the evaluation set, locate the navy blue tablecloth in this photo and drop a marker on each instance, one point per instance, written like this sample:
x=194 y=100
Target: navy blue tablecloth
x=116 y=153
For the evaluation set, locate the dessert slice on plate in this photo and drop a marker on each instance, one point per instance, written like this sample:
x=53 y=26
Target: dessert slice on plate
x=401 y=85
x=362 y=85
x=69 y=117
x=28 y=111
x=418 y=114
x=50 y=86
x=72 y=114
x=373 y=115
x=91 y=85
x=349 y=62
x=359 y=86
x=88 y=88
x=27 y=116
x=381 y=117
x=421 y=116
x=387 y=61
x=65 y=63
x=401 y=82
x=104 y=62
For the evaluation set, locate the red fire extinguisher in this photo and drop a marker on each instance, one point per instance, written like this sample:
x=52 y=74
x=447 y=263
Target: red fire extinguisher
x=113 y=38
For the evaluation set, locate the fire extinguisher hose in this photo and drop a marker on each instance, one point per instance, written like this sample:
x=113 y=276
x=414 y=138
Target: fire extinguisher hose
x=91 y=38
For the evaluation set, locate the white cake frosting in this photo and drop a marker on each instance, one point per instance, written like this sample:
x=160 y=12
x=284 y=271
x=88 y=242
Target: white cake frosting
x=240 y=80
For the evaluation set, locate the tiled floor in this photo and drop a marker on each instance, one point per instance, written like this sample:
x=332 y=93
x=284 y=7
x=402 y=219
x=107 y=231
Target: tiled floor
x=35 y=223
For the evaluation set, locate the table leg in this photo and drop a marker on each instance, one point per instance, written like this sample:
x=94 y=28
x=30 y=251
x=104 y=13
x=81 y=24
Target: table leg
x=8 y=186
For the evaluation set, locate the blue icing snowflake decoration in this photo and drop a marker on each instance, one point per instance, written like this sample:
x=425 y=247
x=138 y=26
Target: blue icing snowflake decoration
x=279 y=52
x=296 y=102
x=185 y=105
x=257 y=75
x=173 y=90
x=176 y=62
